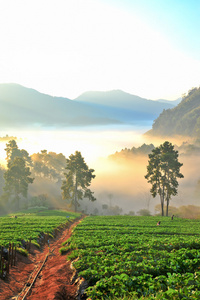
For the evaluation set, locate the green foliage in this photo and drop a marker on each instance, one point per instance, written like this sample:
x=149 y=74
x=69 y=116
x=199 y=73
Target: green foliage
x=162 y=173
x=114 y=210
x=48 y=164
x=47 y=168
x=144 y=212
x=181 y=120
x=58 y=213
x=126 y=257
x=36 y=244
x=12 y=151
x=131 y=213
x=78 y=179
x=2 y=171
x=24 y=252
x=128 y=153
x=64 y=250
x=184 y=211
x=2 y=183
x=40 y=201
x=29 y=224
x=17 y=178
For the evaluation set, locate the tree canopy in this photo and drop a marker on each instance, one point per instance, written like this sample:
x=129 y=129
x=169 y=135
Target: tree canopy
x=78 y=179
x=162 y=173
x=17 y=177
x=48 y=164
x=2 y=171
x=13 y=151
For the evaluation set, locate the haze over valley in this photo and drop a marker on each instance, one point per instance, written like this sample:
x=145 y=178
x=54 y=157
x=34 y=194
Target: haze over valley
x=117 y=149
x=111 y=79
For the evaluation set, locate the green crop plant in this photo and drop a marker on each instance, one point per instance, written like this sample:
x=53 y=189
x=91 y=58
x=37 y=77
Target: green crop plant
x=124 y=257
x=32 y=225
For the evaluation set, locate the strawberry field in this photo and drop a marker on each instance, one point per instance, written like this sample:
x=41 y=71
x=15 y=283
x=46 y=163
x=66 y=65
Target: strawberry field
x=125 y=257
x=31 y=225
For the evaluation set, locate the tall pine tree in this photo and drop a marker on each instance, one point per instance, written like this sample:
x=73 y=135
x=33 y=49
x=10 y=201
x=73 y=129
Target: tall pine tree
x=162 y=172
x=17 y=176
x=78 y=178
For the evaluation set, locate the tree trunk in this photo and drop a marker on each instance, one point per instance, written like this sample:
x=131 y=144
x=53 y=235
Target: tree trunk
x=17 y=201
x=162 y=203
x=75 y=196
x=167 y=207
x=162 y=196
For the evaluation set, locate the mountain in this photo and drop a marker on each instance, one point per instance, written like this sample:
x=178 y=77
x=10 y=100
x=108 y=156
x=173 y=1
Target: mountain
x=120 y=99
x=173 y=102
x=21 y=106
x=125 y=107
x=184 y=119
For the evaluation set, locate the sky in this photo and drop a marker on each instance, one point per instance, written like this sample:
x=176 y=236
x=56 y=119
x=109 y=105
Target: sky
x=149 y=48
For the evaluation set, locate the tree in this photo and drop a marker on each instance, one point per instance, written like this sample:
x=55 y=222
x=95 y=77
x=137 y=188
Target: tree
x=78 y=179
x=17 y=177
x=172 y=210
x=131 y=213
x=115 y=210
x=162 y=172
x=144 y=212
x=13 y=151
x=2 y=171
x=49 y=165
x=105 y=206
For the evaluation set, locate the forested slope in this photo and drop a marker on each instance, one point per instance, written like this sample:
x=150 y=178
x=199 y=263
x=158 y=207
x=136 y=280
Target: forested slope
x=184 y=119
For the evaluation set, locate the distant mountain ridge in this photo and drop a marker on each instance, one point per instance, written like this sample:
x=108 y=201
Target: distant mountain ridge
x=21 y=106
x=120 y=99
x=173 y=102
x=183 y=119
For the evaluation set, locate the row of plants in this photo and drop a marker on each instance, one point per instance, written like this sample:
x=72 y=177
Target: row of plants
x=132 y=257
x=32 y=224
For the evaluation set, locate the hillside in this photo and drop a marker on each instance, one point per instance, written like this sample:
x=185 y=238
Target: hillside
x=184 y=119
x=125 y=153
x=185 y=149
x=21 y=106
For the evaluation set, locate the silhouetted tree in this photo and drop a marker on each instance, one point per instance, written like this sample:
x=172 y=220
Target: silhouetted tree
x=131 y=213
x=78 y=179
x=162 y=172
x=48 y=164
x=114 y=210
x=13 y=151
x=17 y=177
x=2 y=171
x=144 y=212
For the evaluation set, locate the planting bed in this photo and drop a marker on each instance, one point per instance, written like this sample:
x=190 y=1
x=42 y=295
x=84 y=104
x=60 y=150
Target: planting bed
x=56 y=273
x=132 y=257
x=31 y=225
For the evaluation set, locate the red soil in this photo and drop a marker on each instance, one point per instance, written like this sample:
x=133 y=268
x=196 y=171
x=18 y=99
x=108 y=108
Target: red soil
x=53 y=281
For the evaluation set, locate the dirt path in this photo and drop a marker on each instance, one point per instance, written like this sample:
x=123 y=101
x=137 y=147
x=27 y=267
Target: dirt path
x=54 y=280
